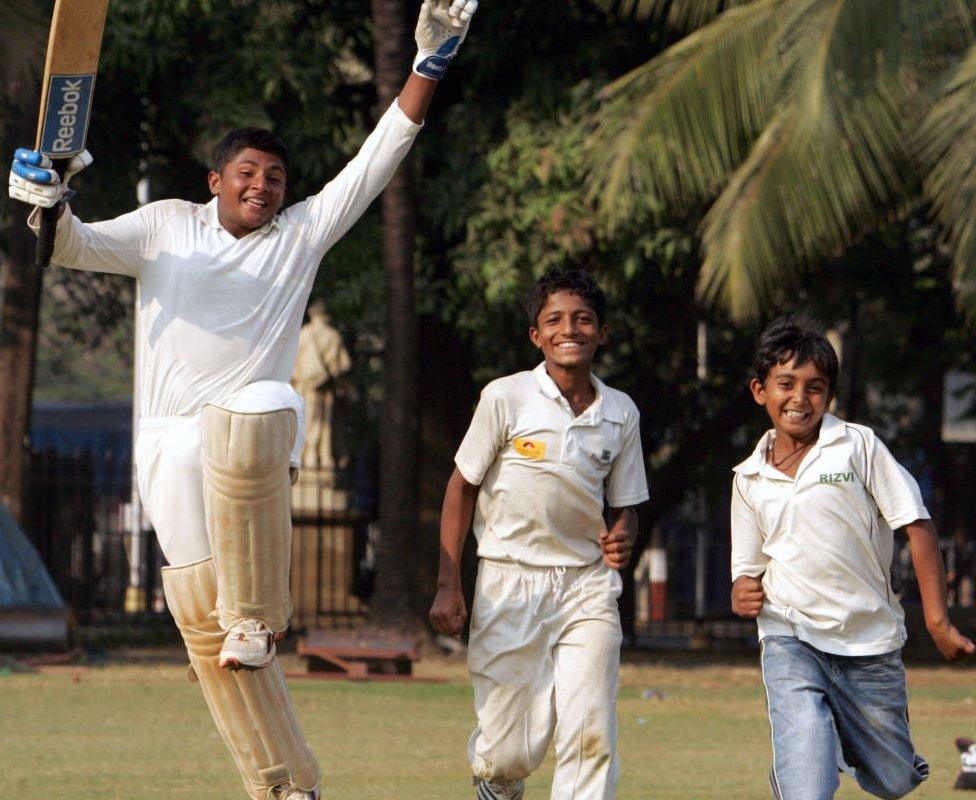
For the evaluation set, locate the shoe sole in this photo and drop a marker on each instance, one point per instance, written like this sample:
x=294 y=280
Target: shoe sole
x=234 y=665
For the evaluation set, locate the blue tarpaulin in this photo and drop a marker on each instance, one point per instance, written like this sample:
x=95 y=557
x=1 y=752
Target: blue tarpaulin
x=24 y=581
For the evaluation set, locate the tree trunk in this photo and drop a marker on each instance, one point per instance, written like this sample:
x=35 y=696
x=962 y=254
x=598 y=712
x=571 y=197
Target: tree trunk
x=390 y=605
x=447 y=398
x=21 y=295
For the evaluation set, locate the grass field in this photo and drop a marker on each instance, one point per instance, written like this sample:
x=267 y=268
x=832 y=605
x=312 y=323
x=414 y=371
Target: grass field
x=141 y=732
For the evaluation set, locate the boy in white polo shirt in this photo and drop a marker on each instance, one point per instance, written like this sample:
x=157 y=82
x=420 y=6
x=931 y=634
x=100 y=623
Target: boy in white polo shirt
x=813 y=510
x=544 y=450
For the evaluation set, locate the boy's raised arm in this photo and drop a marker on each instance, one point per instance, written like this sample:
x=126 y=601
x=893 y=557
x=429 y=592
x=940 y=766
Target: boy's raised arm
x=449 y=612
x=328 y=215
x=930 y=571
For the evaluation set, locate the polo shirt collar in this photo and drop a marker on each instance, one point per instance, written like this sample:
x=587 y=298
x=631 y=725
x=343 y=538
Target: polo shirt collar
x=605 y=406
x=207 y=214
x=831 y=429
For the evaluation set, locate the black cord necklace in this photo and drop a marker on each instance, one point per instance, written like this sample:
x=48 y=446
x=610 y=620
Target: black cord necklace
x=770 y=453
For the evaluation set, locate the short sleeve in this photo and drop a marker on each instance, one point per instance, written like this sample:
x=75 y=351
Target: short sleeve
x=626 y=485
x=893 y=488
x=485 y=438
x=748 y=557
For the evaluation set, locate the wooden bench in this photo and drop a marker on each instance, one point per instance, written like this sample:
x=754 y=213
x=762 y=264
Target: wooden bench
x=355 y=655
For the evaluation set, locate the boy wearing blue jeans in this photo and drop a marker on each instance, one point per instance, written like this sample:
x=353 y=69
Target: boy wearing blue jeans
x=813 y=509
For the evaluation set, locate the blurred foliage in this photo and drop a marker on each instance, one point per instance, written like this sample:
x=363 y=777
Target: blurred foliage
x=805 y=124
x=503 y=165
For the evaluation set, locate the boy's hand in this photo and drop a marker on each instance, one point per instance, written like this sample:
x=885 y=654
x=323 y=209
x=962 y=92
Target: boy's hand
x=33 y=181
x=449 y=613
x=441 y=28
x=952 y=644
x=747 y=596
x=616 y=547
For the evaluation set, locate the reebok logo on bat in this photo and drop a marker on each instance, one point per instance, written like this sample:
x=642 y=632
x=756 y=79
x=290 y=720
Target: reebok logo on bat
x=66 y=118
x=67 y=114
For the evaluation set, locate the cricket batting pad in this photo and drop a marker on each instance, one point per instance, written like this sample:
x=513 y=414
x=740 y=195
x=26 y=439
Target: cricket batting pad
x=246 y=496
x=252 y=709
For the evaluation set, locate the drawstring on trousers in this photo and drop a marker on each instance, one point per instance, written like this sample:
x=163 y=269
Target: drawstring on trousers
x=559 y=579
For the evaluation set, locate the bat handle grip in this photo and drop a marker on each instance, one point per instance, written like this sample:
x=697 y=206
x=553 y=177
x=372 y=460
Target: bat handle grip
x=45 y=236
x=49 y=223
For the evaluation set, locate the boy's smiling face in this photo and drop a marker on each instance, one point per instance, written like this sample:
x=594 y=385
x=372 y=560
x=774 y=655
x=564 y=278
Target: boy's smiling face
x=568 y=332
x=250 y=190
x=796 y=398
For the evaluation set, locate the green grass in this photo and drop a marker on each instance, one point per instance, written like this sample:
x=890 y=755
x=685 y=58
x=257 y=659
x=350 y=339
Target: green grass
x=137 y=732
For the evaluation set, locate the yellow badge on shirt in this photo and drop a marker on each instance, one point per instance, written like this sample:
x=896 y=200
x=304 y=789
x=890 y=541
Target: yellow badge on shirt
x=530 y=448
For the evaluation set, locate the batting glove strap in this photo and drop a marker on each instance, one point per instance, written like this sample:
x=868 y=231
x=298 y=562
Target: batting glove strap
x=434 y=66
x=441 y=28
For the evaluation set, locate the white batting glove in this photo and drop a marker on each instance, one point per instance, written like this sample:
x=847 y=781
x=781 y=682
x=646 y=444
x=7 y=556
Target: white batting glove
x=33 y=181
x=441 y=28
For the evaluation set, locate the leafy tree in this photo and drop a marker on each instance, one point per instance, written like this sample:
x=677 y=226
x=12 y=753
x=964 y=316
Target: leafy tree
x=532 y=217
x=795 y=119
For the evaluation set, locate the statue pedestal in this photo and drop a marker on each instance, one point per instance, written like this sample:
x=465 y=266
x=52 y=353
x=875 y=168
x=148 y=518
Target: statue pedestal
x=323 y=552
x=315 y=494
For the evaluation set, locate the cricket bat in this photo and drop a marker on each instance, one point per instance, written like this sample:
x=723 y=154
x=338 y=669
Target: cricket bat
x=66 y=94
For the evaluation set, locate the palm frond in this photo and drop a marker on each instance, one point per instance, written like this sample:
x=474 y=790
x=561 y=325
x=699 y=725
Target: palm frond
x=939 y=31
x=835 y=51
x=674 y=128
x=682 y=15
x=947 y=150
x=824 y=171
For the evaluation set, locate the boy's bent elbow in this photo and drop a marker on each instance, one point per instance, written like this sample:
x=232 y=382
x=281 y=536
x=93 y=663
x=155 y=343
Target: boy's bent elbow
x=457 y=482
x=921 y=527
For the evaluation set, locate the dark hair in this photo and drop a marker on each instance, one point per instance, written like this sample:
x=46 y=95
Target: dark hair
x=796 y=339
x=574 y=281
x=258 y=138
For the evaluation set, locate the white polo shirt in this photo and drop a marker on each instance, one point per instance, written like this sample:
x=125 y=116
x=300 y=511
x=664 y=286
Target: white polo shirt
x=544 y=472
x=823 y=540
x=218 y=313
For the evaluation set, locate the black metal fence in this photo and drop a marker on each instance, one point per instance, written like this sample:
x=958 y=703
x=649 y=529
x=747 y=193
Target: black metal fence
x=74 y=512
x=78 y=514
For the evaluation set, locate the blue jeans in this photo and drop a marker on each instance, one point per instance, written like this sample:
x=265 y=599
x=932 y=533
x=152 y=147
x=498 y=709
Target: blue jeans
x=830 y=713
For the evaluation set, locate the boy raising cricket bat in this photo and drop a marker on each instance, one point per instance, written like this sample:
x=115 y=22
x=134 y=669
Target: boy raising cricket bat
x=223 y=288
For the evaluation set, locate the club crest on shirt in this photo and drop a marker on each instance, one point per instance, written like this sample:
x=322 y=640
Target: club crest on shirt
x=530 y=448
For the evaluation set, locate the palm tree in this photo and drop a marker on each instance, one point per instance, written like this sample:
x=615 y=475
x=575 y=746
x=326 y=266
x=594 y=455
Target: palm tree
x=22 y=34
x=801 y=124
x=390 y=605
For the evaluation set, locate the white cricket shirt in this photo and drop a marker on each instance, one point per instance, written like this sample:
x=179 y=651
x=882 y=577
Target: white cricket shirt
x=544 y=472
x=218 y=313
x=823 y=540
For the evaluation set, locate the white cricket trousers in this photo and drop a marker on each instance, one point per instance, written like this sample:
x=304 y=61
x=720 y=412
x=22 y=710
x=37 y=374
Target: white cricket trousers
x=544 y=657
x=170 y=471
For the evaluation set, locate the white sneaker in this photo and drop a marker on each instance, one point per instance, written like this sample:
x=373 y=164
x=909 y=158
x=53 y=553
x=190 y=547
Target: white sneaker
x=500 y=790
x=292 y=792
x=249 y=644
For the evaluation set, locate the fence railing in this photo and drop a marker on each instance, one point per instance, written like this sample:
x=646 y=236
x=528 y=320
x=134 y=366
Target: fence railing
x=77 y=514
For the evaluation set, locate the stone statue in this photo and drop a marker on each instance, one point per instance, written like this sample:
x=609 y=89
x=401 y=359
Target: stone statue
x=322 y=357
